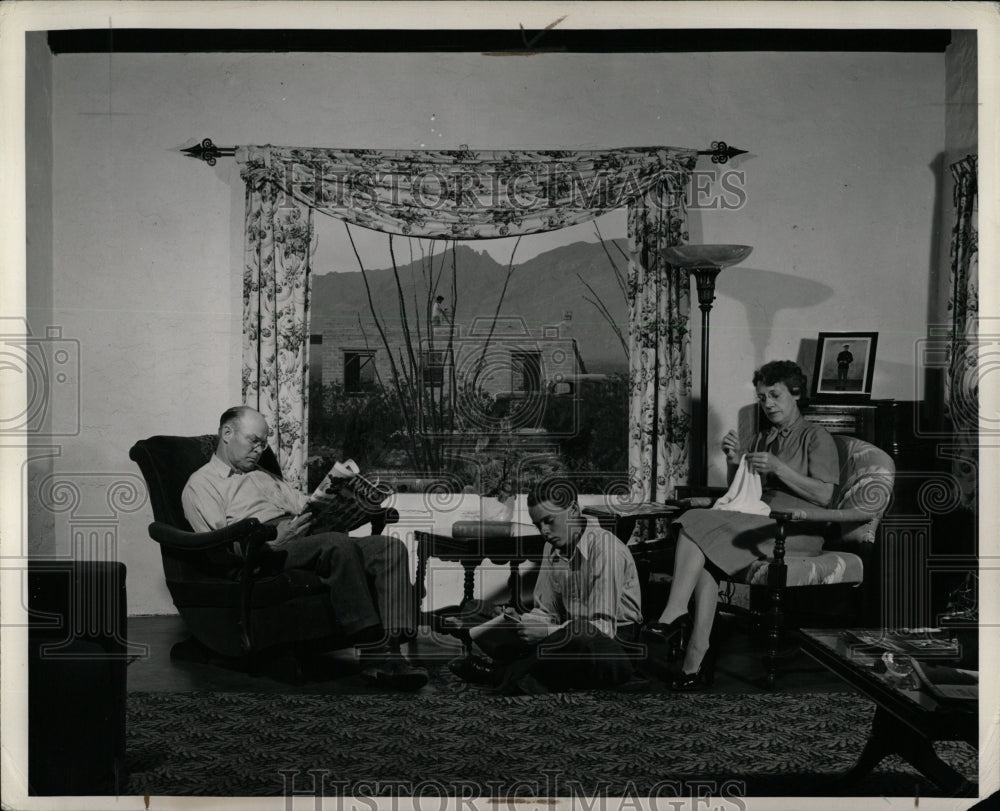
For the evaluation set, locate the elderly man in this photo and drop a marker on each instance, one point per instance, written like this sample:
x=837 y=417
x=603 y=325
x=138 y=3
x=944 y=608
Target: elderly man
x=231 y=487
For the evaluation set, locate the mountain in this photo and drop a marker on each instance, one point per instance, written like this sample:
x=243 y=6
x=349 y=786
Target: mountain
x=543 y=291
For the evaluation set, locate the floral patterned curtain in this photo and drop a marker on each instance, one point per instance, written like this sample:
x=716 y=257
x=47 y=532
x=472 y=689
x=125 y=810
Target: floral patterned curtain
x=962 y=382
x=659 y=348
x=465 y=194
x=275 y=321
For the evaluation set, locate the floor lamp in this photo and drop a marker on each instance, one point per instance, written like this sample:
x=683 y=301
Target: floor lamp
x=704 y=263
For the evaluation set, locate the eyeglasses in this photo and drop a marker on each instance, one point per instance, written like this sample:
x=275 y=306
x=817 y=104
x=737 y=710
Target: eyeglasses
x=256 y=442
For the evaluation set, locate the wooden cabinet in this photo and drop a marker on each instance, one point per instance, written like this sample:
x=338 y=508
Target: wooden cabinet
x=856 y=420
x=925 y=542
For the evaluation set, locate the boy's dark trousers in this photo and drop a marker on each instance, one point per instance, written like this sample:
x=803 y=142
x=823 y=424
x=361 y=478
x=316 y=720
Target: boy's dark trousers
x=576 y=657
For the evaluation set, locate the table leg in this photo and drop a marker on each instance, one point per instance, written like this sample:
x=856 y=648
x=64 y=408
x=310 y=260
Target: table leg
x=890 y=736
x=420 y=588
x=468 y=593
x=469 y=582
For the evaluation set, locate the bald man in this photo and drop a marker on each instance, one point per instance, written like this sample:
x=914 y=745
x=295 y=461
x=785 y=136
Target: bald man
x=368 y=578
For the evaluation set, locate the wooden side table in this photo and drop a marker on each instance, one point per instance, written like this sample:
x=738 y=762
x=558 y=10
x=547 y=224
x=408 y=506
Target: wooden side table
x=498 y=542
x=621 y=519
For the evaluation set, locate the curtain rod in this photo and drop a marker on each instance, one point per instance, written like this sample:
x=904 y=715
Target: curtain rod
x=207 y=151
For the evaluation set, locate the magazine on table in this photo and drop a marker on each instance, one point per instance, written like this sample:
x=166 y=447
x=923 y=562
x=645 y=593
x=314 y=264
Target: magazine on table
x=928 y=643
x=345 y=499
x=947 y=683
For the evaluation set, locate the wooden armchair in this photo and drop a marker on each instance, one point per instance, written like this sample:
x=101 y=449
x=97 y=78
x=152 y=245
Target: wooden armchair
x=851 y=531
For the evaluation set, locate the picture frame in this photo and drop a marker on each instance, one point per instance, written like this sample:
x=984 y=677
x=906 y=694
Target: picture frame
x=845 y=366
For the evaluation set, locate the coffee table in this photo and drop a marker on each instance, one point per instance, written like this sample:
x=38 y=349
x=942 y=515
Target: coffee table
x=907 y=721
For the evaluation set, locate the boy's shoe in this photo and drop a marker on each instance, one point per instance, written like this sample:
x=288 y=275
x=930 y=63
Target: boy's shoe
x=475 y=669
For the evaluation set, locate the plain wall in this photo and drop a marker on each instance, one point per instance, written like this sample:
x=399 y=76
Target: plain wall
x=841 y=200
x=38 y=284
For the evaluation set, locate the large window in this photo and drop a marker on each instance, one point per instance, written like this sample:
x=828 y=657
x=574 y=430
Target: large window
x=359 y=370
x=396 y=393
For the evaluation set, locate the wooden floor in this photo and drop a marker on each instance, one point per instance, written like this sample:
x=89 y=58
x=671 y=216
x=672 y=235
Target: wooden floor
x=738 y=670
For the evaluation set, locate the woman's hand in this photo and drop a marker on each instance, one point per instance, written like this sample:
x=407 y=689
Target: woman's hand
x=731 y=447
x=764 y=463
x=534 y=629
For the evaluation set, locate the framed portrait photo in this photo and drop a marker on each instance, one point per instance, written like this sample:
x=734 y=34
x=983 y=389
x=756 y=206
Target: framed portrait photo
x=845 y=365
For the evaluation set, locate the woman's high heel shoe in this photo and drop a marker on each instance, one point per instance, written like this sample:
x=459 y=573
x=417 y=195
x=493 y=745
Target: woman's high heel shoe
x=701 y=679
x=673 y=634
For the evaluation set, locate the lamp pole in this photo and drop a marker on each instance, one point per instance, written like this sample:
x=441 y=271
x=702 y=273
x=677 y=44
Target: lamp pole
x=705 y=279
x=704 y=263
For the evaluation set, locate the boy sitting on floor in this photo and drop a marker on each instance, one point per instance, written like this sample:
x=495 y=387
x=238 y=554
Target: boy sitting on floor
x=582 y=630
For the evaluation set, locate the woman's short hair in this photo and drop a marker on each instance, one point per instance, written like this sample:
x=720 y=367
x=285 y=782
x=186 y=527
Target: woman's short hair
x=557 y=491
x=783 y=371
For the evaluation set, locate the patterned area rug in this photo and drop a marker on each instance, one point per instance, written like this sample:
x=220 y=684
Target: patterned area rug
x=465 y=742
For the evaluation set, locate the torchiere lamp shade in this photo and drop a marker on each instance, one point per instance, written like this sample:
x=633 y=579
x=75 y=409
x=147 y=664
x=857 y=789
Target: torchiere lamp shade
x=694 y=257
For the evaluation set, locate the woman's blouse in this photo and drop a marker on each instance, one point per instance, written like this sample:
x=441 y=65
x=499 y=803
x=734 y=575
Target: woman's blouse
x=803 y=446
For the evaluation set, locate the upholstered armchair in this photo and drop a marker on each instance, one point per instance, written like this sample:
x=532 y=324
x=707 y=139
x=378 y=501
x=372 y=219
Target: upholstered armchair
x=851 y=530
x=228 y=585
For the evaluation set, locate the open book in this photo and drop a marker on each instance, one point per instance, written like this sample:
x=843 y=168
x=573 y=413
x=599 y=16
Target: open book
x=344 y=499
x=500 y=632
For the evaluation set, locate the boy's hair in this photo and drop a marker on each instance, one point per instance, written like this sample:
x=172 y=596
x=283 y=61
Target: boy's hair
x=783 y=371
x=556 y=491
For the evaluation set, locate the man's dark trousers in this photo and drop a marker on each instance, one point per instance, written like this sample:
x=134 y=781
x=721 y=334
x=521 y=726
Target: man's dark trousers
x=368 y=578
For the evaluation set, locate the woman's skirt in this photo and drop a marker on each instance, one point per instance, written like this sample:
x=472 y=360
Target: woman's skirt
x=732 y=541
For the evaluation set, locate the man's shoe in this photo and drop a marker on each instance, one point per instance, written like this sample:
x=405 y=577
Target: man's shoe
x=475 y=670
x=394 y=672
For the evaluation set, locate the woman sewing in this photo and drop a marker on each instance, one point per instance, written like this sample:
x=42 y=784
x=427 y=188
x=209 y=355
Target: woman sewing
x=798 y=465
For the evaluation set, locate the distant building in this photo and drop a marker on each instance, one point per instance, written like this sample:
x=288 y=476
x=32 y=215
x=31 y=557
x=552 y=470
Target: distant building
x=505 y=358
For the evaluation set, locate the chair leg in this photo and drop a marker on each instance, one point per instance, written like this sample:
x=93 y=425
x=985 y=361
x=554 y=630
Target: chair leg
x=777 y=577
x=775 y=621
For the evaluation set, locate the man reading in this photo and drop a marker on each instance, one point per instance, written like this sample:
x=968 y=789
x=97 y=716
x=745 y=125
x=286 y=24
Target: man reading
x=231 y=487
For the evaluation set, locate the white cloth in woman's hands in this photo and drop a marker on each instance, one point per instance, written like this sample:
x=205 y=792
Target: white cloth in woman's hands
x=743 y=495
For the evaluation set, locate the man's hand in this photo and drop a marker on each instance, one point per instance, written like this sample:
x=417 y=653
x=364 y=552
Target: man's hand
x=534 y=628
x=292 y=528
x=731 y=447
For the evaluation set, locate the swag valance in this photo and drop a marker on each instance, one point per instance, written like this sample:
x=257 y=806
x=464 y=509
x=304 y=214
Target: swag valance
x=470 y=194
x=467 y=194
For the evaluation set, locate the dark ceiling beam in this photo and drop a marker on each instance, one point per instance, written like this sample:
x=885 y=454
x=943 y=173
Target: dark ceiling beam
x=192 y=40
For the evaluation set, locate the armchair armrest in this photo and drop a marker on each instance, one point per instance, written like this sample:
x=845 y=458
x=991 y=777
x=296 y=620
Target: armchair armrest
x=247 y=532
x=844 y=516
x=691 y=502
x=387 y=515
